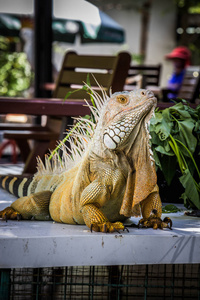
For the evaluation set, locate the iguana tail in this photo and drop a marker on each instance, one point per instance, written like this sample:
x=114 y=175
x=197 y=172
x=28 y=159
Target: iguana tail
x=46 y=179
x=28 y=205
x=16 y=185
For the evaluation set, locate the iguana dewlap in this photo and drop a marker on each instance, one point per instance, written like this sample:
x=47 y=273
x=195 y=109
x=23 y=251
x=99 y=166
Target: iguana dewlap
x=108 y=176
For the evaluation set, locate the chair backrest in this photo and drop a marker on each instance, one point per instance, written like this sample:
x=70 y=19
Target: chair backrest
x=109 y=71
x=150 y=74
x=190 y=88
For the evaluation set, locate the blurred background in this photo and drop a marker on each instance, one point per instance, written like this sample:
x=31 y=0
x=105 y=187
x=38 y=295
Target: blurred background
x=38 y=34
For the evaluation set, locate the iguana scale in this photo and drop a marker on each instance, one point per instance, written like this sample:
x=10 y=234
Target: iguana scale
x=105 y=179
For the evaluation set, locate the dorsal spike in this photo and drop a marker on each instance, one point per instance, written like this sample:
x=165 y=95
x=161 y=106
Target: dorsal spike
x=79 y=138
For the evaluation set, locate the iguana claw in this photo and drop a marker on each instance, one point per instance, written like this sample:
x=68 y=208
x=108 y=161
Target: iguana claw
x=125 y=228
x=19 y=217
x=107 y=227
x=10 y=214
x=155 y=223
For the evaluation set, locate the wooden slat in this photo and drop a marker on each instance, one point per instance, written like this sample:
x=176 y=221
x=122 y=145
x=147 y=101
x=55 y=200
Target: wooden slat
x=190 y=81
x=186 y=96
x=163 y=105
x=32 y=135
x=16 y=126
x=43 y=106
x=71 y=77
x=191 y=84
x=146 y=67
x=152 y=79
x=187 y=88
x=62 y=92
x=150 y=73
x=89 y=61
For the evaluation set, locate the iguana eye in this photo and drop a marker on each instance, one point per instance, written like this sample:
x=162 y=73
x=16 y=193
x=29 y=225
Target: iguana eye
x=122 y=99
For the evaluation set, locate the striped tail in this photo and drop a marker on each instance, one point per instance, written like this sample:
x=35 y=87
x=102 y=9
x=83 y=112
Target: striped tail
x=16 y=185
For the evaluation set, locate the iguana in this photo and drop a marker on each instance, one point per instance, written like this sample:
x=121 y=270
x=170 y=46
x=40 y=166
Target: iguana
x=105 y=178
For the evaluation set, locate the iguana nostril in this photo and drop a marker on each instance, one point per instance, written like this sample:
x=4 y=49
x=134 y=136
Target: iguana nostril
x=149 y=93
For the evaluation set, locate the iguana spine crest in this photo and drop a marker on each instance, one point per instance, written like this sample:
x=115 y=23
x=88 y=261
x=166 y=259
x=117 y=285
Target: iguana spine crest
x=81 y=136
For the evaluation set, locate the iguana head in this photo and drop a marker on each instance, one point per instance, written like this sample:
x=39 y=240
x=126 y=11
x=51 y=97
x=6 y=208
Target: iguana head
x=123 y=115
x=122 y=134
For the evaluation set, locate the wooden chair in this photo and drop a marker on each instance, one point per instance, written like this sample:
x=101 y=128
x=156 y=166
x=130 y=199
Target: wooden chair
x=109 y=71
x=190 y=88
x=146 y=75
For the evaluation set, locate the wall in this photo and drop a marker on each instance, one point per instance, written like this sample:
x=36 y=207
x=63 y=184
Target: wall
x=162 y=35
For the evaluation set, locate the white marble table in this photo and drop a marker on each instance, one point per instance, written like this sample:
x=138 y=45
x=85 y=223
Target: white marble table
x=48 y=244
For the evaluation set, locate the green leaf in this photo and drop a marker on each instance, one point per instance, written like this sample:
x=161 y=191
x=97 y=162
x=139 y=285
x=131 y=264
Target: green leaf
x=156 y=157
x=197 y=127
x=84 y=88
x=186 y=134
x=190 y=189
x=162 y=150
x=71 y=92
x=180 y=110
x=88 y=80
x=161 y=126
x=170 y=208
x=169 y=164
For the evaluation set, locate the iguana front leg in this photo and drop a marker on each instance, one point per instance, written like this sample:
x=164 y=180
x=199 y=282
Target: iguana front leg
x=152 y=210
x=93 y=197
x=152 y=205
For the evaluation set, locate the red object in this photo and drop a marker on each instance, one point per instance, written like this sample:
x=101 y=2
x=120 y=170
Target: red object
x=180 y=52
x=11 y=143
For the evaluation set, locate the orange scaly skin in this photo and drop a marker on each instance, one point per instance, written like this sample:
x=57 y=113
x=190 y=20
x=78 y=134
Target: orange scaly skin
x=114 y=178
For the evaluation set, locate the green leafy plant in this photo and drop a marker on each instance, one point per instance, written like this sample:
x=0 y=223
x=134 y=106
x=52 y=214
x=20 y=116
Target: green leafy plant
x=175 y=141
x=138 y=58
x=170 y=208
x=15 y=71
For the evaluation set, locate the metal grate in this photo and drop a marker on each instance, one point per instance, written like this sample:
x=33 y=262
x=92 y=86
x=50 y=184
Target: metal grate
x=100 y=282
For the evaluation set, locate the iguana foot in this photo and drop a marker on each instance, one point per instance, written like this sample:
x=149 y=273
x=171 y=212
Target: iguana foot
x=10 y=214
x=107 y=227
x=155 y=223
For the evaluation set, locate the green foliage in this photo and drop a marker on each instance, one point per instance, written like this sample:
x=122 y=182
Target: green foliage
x=138 y=58
x=170 y=208
x=15 y=71
x=175 y=140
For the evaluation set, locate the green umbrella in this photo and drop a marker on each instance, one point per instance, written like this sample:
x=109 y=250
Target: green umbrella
x=66 y=30
x=9 y=25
